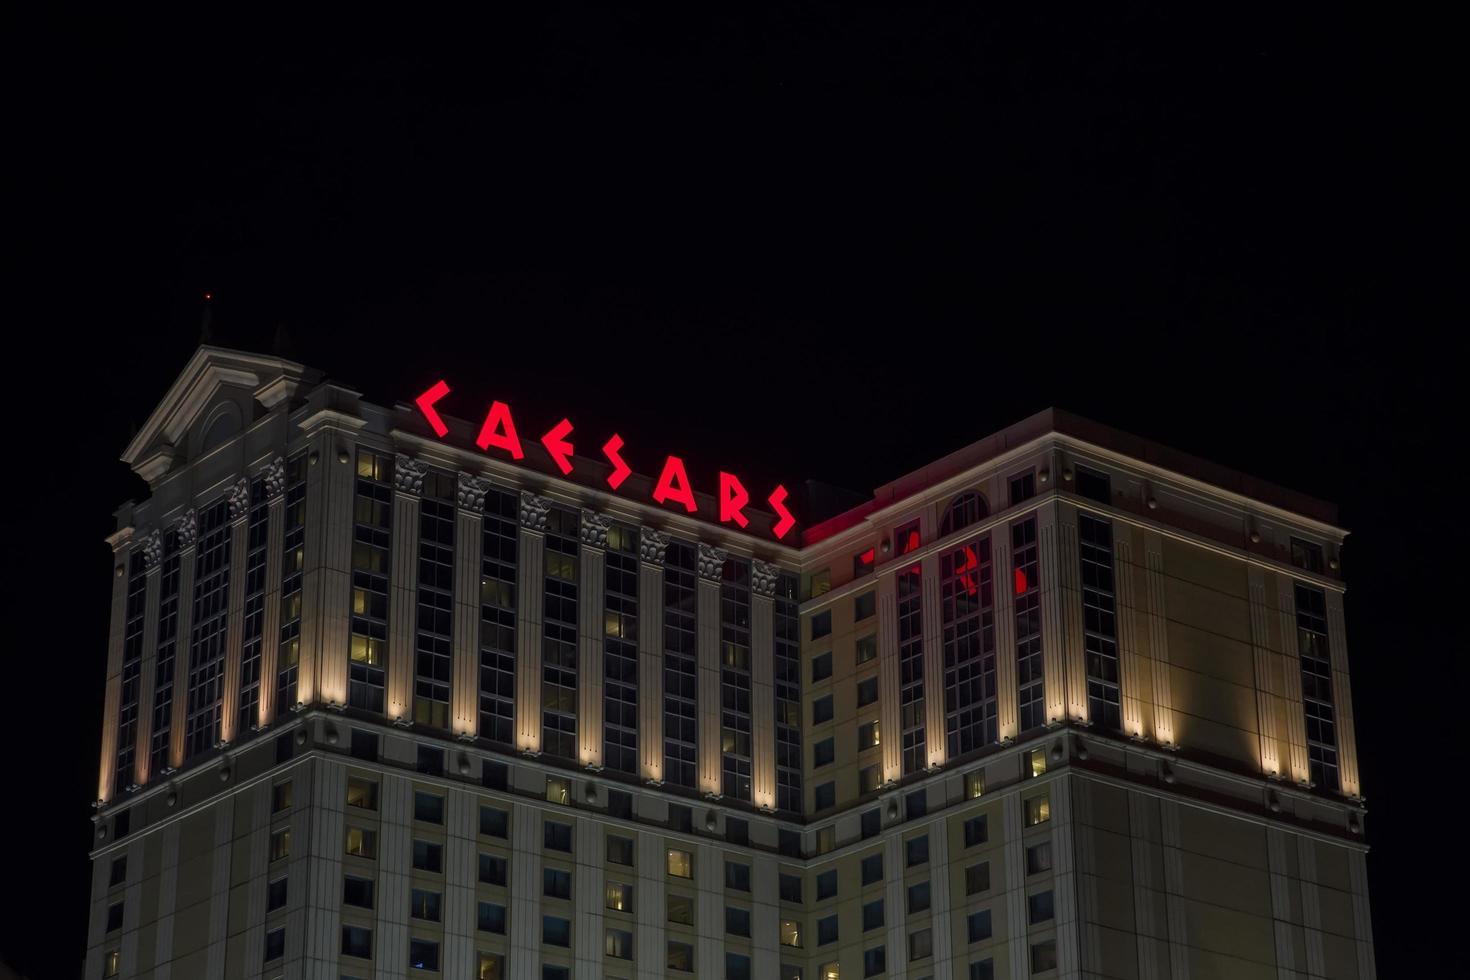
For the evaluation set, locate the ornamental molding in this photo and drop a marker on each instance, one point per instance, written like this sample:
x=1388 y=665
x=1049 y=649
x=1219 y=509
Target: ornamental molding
x=711 y=562
x=652 y=545
x=239 y=498
x=274 y=476
x=471 y=492
x=763 y=576
x=533 y=511
x=594 y=529
x=152 y=550
x=187 y=529
x=408 y=475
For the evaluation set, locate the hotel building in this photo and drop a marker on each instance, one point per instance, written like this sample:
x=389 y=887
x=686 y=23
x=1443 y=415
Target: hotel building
x=388 y=700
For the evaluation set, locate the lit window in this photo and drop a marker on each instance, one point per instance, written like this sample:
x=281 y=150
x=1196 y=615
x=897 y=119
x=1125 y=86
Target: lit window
x=862 y=563
x=974 y=784
x=1035 y=764
x=281 y=796
x=492 y=967
x=906 y=538
x=361 y=843
x=619 y=896
x=791 y=932
x=868 y=779
x=867 y=649
x=680 y=909
x=1044 y=956
x=1038 y=810
x=826 y=838
x=821 y=582
x=111 y=963
x=921 y=945
x=681 y=863
x=681 y=957
x=558 y=790
x=867 y=736
x=362 y=793
x=619 y=944
x=281 y=844
x=828 y=971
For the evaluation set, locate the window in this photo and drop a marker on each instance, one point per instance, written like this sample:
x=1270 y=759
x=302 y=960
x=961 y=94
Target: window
x=679 y=909
x=424 y=905
x=1306 y=555
x=872 y=822
x=428 y=856
x=275 y=895
x=119 y=872
x=974 y=784
x=921 y=945
x=1038 y=858
x=827 y=930
x=912 y=740
x=976 y=831
x=206 y=641
x=114 y=917
x=361 y=843
x=357 y=891
x=791 y=932
x=1033 y=764
x=977 y=925
x=428 y=807
x=556 y=883
x=492 y=967
x=364 y=745
x=1037 y=810
x=869 y=778
x=873 y=915
x=982 y=970
x=821 y=583
x=967 y=615
x=681 y=721
x=681 y=957
x=430 y=761
x=619 y=897
x=1023 y=487
x=557 y=836
x=916 y=804
x=372 y=539
x=867 y=691
x=120 y=824
x=275 y=944
x=822 y=666
x=737 y=831
x=558 y=790
x=680 y=863
x=551 y=972
x=737 y=876
x=281 y=796
x=822 y=709
x=874 y=961
x=790 y=972
x=556 y=931
x=867 y=649
x=112 y=961
x=864 y=606
x=561 y=547
x=620 y=650
x=977 y=878
x=281 y=844
x=1099 y=621
x=916 y=850
x=822 y=624
x=872 y=868
x=826 y=839
x=490 y=917
x=737 y=921
x=1094 y=485
x=918 y=897
x=494 y=822
x=823 y=752
x=492 y=870
x=1044 y=956
x=423 y=954
x=619 y=944
x=362 y=793
x=737 y=966
x=826 y=796
x=826 y=885
x=963 y=511
x=789 y=888
x=735 y=680
x=788 y=695
x=828 y=971
x=619 y=850
x=357 y=941
x=1040 y=907
x=1317 y=697
x=788 y=842
x=1030 y=666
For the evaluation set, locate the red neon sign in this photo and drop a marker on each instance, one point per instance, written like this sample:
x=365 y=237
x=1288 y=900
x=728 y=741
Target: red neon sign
x=498 y=432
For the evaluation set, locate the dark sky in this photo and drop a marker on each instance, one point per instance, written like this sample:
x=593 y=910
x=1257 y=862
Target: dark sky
x=832 y=244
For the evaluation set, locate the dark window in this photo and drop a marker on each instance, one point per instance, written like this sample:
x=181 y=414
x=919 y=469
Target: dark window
x=921 y=945
x=788 y=695
x=293 y=569
x=963 y=511
x=120 y=824
x=620 y=850
x=872 y=822
x=735 y=679
x=620 y=650
x=492 y=870
x=556 y=931
x=737 y=966
x=872 y=868
x=681 y=957
x=977 y=878
x=357 y=941
x=1023 y=487
x=159 y=746
x=864 y=606
x=826 y=885
x=909 y=586
x=822 y=709
x=821 y=624
x=827 y=930
x=737 y=876
x=430 y=760
x=135 y=612
x=1094 y=485
x=916 y=804
x=1044 y=956
x=823 y=752
x=114 y=916
x=976 y=831
x=681 y=818
x=557 y=836
x=1038 y=858
x=434 y=627
x=978 y=925
x=874 y=961
x=424 y=905
x=620 y=804
x=790 y=888
x=357 y=891
x=982 y=970
x=917 y=850
x=918 y=897
x=826 y=796
x=499 y=554
x=1306 y=555
x=1099 y=621
x=494 y=822
x=275 y=944
x=490 y=917
x=119 y=872
x=867 y=692
x=1040 y=907
x=681 y=719
x=556 y=883
x=1030 y=675
x=789 y=843
x=365 y=745
x=206 y=660
x=285 y=747
x=1317 y=699
x=494 y=775
x=549 y=972
x=275 y=895
x=428 y=856
x=428 y=807
x=821 y=667
x=873 y=915
x=423 y=954
x=737 y=831
x=737 y=921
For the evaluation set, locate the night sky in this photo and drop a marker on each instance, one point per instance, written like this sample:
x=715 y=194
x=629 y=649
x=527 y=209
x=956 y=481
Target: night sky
x=831 y=244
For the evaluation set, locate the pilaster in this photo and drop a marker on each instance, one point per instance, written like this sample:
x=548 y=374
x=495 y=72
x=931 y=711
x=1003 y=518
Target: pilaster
x=1265 y=682
x=188 y=536
x=229 y=716
x=1068 y=599
x=763 y=577
x=464 y=688
x=1130 y=668
x=530 y=599
x=1158 y=635
x=326 y=587
x=651 y=547
x=152 y=557
x=1007 y=709
x=711 y=563
x=591 y=601
x=403 y=581
x=112 y=705
x=890 y=679
x=933 y=662
x=1342 y=696
x=1296 y=722
x=1054 y=657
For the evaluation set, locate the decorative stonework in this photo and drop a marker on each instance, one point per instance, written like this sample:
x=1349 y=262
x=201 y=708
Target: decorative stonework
x=187 y=529
x=274 y=476
x=239 y=497
x=711 y=561
x=471 y=493
x=533 y=511
x=763 y=576
x=652 y=545
x=408 y=475
x=152 y=550
x=594 y=529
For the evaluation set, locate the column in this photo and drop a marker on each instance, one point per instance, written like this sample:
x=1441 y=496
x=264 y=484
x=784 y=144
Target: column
x=188 y=535
x=588 y=892
x=326 y=585
x=1007 y=710
x=270 y=623
x=651 y=547
x=763 y=577
x=1068 y=597
x=1053 y=624
x=530 y=598
x=1296 y=722
x=890 y=680
x=1130 y=678
x=464 y=687
x=403 y=585
x=112 y=705
x=229 y=708
x=525 y=889
x=711 y=563
x=1264 y=675
x=152 y=547
x=1158 y=636
x=1342 y=697
x=933 y=663
x=591 y=599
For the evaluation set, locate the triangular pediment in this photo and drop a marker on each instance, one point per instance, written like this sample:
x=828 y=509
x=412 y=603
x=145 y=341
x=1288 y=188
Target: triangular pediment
x=215 y=382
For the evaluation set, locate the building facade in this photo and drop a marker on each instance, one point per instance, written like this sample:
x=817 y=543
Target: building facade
x=392 y=694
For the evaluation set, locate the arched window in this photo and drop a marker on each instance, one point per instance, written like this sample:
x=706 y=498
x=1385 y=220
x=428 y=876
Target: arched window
x=225 y=425
x=963 y=511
